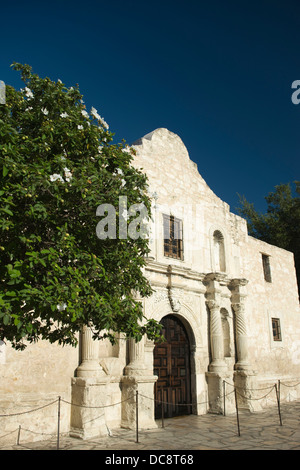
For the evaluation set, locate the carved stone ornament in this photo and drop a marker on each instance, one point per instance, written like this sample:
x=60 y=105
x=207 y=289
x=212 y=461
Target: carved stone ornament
x=175 y=303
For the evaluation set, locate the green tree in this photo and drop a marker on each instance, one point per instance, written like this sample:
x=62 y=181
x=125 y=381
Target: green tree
x=58 y=163
x=280 y=225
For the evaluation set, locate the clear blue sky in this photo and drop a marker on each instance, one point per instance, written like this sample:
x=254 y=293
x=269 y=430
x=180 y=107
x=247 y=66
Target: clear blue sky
x=217 y=73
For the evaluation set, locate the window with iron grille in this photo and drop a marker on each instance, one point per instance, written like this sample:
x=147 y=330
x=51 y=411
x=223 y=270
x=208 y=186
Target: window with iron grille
x=266 y=268
x=173 y=241
x=276 y=329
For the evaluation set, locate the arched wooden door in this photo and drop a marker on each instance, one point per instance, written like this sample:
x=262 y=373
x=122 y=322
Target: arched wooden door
x=172 y=366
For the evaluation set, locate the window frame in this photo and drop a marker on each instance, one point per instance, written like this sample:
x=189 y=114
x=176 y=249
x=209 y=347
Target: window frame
x=173 y=245
x=276 y=330
x=266 y=267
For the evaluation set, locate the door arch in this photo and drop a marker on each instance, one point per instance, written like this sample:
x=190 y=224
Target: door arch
x=172 y=366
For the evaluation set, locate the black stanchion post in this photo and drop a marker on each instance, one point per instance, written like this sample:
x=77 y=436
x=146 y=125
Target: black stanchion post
x=279 y=400
x=237 y=412
x=162 y=411
x=58 y=423
x=137 y=416
x=224 y=396
x=278 y=404
x=19 y=434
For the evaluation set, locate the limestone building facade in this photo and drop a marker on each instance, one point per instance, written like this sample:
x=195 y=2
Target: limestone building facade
x=228 y=304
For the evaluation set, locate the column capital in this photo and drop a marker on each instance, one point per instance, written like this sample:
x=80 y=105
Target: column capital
x=237 y=282
x=215 y=276
x=238 y=307
x=212 y=304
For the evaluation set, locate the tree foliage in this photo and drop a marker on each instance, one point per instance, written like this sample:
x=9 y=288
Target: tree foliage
x=58 y=163
x=280 y=225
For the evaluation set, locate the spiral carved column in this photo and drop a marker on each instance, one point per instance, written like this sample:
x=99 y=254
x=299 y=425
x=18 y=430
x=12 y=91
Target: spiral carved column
x=244 y=376
x=238 y=305
x=216 y=337
x=217 y=367
x=241 y=337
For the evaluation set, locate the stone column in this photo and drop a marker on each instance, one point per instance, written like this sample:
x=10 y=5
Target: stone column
x=136 y=364
x=241 y=337
x=89 y=366
x=217 y=369
x=88 y=392
x=244 y=376
x=138 y=378
x=213 y=300
x=238 y=297
x=216 y=337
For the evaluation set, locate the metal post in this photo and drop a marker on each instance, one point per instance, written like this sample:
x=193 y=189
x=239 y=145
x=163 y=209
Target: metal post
x=278 y=403
x=237 y=412
x=19 y=434
x=224 y=396
x=58 y=423
x=137 y=416
x=162 y=411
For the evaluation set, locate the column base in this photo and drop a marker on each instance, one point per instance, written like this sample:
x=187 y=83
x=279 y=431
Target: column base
x=135 y=368
x=88 y=422
x=245 y=382
x=215 y=391
x=145 y=387
x=218 y=367
x=215 y=385
x=243 y=367
x=90 y=368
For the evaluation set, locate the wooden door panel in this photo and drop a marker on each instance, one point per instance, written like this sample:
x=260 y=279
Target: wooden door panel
x=172 y=366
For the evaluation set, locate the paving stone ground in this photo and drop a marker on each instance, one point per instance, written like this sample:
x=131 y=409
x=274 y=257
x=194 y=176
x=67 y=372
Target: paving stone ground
x=258 y=431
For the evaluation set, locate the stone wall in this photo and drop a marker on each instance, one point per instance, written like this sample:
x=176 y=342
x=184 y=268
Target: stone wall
x=276 y=299
x=31 y=379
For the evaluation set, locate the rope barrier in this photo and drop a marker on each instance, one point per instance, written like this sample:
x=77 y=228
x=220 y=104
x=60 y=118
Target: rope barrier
x=292 y=386
x=206 y=402
x=40 y=433
x=8 y=434
x=132 y=396
x=29 y=411
x=162 y=402
x=255 y=399
x=98 y=407
x=249 y=389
